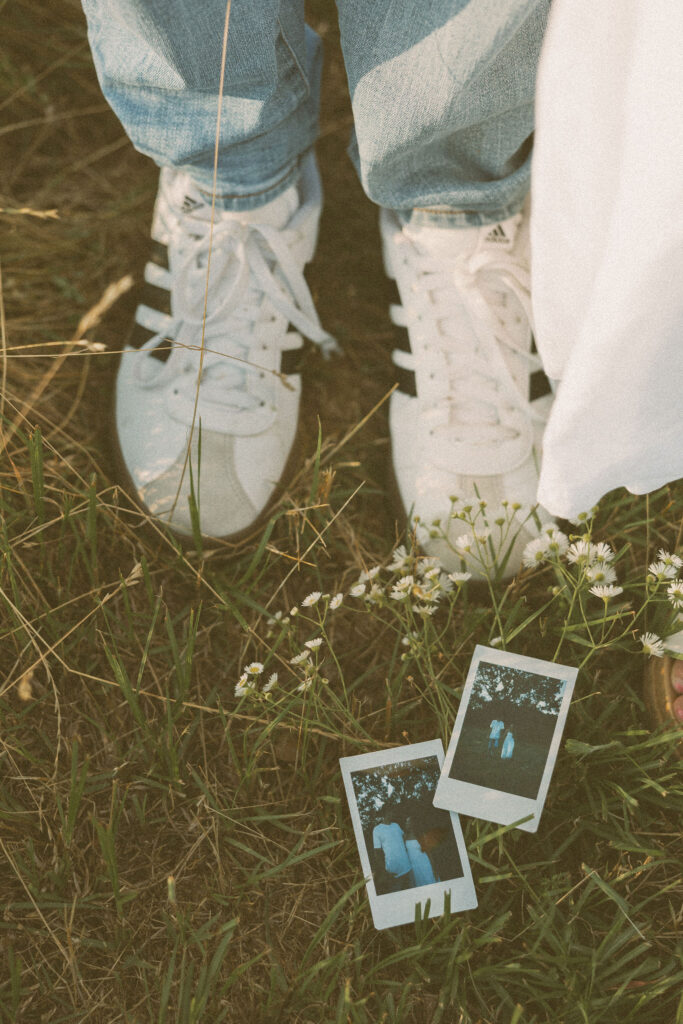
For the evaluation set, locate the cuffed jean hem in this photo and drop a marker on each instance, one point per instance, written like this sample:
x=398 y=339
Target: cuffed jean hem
x=229 y=199
x=443 y=217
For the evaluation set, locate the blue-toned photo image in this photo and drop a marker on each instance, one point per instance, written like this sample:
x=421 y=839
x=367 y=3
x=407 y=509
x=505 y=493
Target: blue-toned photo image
x=507 y=729
x=409 y=842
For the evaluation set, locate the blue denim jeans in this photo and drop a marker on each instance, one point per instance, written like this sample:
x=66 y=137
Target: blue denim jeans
x=442 y=95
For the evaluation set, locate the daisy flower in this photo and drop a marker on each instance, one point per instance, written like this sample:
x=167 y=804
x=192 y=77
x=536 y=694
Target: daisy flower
x=302 y=687
x=299 y=658
x=311 y=599
x=402 y=588
x=459 y=577
x=357 y=590
x=315 y=643
x=558 y=542
x=662 y=570
x=400 y=561
x=255 y=669
x=535 y=552
x=272 y=682
x=605 y=592
x=652 y=645
x=669 y=559
x=424 y=609
x=464 y=543
x=675 y=594
x=368 y=574
x=601 y=553
x=599 y=573
x=278 y=619
x=579 y=551
x=243 y=687
x=429 y=566
x=336 y=601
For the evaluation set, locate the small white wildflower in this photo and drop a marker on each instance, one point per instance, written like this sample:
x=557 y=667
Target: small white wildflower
x=271 y=684
x=496 y=641
x=464 y=543
x=432 y=574
x=669 y=559
x=313 y=644
x=601 y=553
x=410 y=639
x=605 y=592
x=401 y=560
x=243 y=687
x=579 y=551
x=294 y=611
x=374 y=594
x=557 y=542
x=662 y=570
x=369 y=574
x=652 y=645
x=401 y=589
x=311 y=599
x=278 y=619
x=459 y=577
x=445 y=583
x=299 y=658
x=428 y=566
x=357 y=590
x=675 y=594
x=424 y=609
x=336 y=601
x=302 y=687
x=255 y=669
x=535 y=552
x=599 y=573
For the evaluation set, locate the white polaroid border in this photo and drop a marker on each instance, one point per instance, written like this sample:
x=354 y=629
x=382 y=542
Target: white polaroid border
x=399 y=908
x=492 y=804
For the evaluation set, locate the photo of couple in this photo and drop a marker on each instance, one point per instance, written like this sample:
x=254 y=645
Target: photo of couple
x=410 y=843
x=507 y=729
x=508 y=748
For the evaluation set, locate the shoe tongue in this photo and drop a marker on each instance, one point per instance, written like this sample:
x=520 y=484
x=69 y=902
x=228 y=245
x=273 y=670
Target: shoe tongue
x=277 y=213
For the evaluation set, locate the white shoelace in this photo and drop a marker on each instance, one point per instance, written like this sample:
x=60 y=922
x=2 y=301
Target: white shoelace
x=253 y=276
x=463 y=376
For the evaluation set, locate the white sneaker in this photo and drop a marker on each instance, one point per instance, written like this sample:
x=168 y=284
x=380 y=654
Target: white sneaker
x=465 y=422
x=211 y=377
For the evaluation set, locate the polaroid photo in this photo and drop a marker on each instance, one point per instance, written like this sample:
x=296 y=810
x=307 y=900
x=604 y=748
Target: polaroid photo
x=411 y=852
x=506 y=738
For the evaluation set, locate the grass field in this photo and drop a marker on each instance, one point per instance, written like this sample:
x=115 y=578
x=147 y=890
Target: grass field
x=172 y=854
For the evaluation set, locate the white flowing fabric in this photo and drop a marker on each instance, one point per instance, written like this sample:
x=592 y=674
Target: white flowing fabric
x=607 y=247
